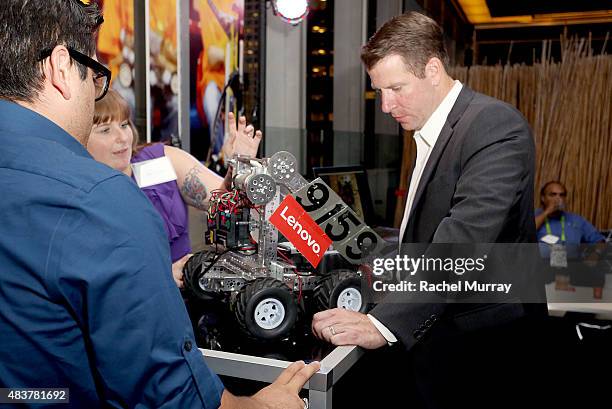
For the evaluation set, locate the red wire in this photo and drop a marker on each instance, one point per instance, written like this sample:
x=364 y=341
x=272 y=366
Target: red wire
x=368 y=273
x=288 y=260
x=299 y=287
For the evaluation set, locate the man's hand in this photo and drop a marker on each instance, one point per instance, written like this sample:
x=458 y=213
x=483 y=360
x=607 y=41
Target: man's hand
x=344 y=327
x=177 y=270
x=242 y=140
x=553 y=207
x=282 y=394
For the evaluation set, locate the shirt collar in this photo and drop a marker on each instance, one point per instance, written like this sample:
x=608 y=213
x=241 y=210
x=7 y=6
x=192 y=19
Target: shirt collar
x=431 y=130
x=19 y=121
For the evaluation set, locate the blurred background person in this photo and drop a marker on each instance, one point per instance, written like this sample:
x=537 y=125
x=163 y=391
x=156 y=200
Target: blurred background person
x=566 y=240
x=553 y=220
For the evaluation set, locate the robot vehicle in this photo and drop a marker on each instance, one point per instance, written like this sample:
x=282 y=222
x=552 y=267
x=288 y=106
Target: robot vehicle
x=268 y=286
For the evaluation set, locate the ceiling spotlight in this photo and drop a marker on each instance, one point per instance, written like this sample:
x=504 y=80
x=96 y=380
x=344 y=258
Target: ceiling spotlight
x=291 y=11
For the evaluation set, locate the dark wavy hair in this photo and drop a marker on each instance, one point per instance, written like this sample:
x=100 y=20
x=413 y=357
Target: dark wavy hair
x=29 y=27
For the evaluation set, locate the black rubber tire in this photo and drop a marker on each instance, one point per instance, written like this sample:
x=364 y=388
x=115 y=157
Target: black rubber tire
x=251 y=295
x=192 y=272
x=330 y=287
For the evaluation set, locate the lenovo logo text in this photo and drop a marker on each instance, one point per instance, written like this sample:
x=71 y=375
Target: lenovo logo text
x=301 y=231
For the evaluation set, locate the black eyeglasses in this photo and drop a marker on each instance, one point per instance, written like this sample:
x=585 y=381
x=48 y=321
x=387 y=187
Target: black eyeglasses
x=101 y=74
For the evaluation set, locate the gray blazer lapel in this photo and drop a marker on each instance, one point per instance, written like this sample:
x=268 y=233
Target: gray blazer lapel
x=463 y=100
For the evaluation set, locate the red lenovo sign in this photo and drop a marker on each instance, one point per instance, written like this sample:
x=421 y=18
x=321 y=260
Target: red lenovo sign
x=298 y=227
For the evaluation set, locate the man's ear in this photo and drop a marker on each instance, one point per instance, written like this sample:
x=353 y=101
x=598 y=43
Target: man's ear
x=433 y=70
x=59 y=70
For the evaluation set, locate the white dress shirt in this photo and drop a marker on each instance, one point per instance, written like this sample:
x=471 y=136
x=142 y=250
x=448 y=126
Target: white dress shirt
x=425 y=139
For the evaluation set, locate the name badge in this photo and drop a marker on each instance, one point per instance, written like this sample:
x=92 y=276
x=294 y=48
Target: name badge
x=550 y=239
x=153 y=172
x=558 y=256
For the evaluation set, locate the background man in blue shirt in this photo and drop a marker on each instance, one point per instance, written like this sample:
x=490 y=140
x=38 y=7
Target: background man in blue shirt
x=87 y=300
x=553 y=220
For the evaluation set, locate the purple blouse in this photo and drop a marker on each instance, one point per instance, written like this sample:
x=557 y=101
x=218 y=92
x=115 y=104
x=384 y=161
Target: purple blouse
x=166 y=198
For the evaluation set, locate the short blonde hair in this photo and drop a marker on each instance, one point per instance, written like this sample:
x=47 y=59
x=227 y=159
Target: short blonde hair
x=113 y=107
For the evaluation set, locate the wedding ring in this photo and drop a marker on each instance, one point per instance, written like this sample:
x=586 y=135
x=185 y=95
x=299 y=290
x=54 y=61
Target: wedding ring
x=331 y=329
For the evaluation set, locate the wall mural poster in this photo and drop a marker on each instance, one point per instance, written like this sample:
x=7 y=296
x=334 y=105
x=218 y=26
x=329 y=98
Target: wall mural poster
x=216 y=28
x=116 y=45
x=163 y=71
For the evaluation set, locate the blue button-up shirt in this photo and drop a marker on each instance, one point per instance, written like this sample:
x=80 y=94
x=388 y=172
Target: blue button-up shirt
x=577 y=231
x=87 y=300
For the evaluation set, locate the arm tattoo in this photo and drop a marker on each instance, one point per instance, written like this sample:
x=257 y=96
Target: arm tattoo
x=194 y=190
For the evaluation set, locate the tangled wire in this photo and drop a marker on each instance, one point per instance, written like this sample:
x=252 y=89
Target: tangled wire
x=227 y=201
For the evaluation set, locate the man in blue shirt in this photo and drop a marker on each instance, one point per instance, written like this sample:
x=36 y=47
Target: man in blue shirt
x=553 y=223
x=557 y=227
x=87 y=299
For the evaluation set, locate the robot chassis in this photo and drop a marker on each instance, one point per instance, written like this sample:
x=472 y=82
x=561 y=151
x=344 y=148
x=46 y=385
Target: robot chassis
x=260 y=288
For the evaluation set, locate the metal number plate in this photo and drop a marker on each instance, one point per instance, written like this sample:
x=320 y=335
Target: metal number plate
x=342 y=226
x=362 y=246
x=317 y=199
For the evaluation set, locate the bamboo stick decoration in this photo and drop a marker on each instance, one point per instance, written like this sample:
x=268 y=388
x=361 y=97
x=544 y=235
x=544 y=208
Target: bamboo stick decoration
x=569 y=107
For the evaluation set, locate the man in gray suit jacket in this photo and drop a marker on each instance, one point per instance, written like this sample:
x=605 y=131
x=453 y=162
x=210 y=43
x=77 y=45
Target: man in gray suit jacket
x=472 y=183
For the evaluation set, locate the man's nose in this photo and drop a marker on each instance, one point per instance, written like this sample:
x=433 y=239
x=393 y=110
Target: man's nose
x=387 y=102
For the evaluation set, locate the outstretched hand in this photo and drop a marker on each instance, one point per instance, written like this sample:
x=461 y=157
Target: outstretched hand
x=242 y=139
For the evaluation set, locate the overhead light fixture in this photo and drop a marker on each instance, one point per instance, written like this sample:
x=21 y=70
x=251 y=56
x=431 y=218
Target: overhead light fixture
x=291 y=11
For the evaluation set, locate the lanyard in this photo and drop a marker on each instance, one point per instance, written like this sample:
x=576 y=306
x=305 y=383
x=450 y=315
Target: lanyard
x=562 y=228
